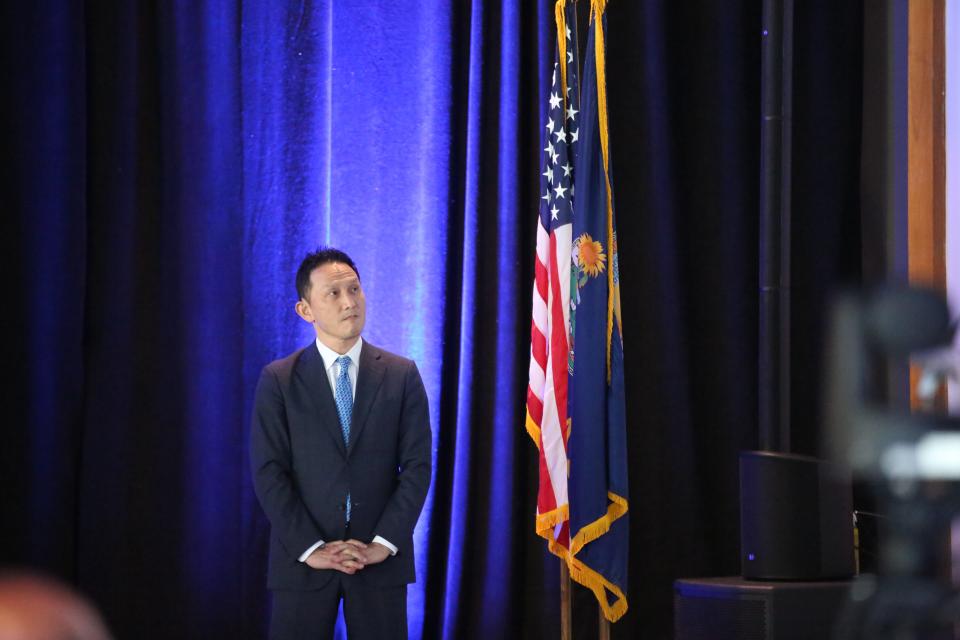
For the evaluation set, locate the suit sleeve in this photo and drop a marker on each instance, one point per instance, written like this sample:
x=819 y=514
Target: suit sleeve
x=270 y=462
x=414 y=460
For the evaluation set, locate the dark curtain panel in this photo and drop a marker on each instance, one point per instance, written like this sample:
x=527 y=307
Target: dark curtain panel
x=168 y=164
x=684 y=87
x=826 y=230
x=685 y=135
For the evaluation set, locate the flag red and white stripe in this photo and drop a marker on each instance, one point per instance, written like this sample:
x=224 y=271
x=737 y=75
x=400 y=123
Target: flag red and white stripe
x=546 y=419
x=547 y=389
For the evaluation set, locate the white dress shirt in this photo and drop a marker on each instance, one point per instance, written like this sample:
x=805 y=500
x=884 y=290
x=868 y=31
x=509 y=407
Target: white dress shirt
x=333 y=371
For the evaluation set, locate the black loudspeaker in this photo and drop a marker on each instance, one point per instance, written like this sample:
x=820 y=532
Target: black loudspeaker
x=796 y=518
x=738 y=609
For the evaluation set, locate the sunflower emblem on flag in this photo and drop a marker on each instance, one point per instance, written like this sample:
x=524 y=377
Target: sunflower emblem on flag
x=589 y=258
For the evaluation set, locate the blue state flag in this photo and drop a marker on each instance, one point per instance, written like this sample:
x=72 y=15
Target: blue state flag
x=597 y=484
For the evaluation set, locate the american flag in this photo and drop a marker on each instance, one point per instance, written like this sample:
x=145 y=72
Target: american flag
x=550 y=330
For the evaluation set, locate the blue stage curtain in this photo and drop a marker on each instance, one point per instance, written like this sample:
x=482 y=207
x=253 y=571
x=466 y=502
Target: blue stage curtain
x=174 y=163
x=167 y=165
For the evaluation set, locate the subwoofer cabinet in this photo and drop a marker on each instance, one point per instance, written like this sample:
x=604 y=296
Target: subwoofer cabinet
x=732 y=608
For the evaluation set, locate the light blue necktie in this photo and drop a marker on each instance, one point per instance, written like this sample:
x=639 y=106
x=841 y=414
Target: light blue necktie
x=344 y=397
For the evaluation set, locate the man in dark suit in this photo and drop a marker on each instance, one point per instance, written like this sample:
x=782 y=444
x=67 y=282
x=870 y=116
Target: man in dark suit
x=340 y=451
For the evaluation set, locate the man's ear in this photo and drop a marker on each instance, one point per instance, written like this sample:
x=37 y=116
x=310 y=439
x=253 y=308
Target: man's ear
x=303 y=310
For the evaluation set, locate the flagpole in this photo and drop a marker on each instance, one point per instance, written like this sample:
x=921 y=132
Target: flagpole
x=565 y=606
x=604 y=630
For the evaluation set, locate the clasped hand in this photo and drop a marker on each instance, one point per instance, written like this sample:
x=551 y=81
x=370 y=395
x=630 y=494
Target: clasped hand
x=348 y=556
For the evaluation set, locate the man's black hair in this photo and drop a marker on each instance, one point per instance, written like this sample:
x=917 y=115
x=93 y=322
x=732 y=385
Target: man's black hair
x=318 y=258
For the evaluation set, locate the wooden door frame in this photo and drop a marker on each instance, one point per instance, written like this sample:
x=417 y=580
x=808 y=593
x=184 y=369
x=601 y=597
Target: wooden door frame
x=926 y=152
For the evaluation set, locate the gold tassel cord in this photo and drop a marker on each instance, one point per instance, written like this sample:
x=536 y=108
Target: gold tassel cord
x=597 y=7
x=561 y=16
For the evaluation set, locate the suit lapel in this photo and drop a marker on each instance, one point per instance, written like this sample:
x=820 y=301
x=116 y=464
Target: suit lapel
x=314 y=376
x=369 y=377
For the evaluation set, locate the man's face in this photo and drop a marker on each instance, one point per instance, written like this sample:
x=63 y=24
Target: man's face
x=336 y=306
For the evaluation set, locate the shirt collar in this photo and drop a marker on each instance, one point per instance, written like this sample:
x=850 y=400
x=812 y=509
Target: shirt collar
x=330 y=356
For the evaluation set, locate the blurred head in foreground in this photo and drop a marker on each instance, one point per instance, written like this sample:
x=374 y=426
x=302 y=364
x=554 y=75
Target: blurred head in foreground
x=37 y=608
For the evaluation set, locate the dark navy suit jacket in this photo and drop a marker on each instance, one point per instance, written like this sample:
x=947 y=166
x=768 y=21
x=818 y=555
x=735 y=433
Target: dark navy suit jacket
x=303 y=471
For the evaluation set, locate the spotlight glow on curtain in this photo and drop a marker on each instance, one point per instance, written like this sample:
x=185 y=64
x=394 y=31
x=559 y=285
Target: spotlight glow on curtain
x=213 y=146
x=350 y=114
